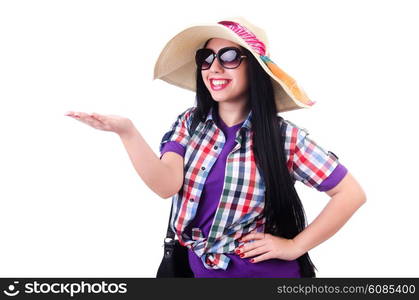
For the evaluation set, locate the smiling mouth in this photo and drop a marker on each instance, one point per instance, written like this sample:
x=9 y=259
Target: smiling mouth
x=219 y=84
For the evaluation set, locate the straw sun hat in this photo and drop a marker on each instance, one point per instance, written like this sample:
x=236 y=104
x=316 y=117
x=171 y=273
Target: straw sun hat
x=176 y=63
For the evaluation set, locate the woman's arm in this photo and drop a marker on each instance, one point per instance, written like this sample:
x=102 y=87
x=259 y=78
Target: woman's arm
x=346 y=198
x=165 y=176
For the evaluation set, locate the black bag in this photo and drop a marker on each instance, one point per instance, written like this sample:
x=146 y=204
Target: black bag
x=175 y=262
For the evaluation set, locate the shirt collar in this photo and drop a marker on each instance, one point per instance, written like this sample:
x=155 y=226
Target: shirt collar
x=246 y=124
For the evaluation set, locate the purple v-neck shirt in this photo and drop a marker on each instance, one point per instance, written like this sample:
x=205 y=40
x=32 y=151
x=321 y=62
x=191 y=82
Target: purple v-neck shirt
x=238 y=267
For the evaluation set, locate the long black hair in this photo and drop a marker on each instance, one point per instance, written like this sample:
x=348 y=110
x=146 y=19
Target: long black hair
x=283 y=210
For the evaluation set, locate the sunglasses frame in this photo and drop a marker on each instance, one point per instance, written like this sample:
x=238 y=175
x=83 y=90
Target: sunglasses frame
x=217 y=56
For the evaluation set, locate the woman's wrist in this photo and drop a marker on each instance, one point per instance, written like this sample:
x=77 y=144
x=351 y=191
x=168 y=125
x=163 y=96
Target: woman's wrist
x=299 y=247
x=128 y=131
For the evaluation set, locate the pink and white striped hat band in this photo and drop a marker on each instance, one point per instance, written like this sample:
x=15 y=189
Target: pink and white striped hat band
x=176 y=63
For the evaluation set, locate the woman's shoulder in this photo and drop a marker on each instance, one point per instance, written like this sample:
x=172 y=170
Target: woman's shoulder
x=185 y=117
x=289 y=128
x=186 y=114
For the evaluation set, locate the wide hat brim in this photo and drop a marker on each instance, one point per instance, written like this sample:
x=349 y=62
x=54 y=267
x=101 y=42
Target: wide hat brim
x=176 y=65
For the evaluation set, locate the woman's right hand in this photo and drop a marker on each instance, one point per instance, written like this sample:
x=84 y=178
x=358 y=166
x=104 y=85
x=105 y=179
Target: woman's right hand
x=117 y=124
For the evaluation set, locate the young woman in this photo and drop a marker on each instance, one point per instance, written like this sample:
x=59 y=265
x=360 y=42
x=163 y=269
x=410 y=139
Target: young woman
x=230 y=162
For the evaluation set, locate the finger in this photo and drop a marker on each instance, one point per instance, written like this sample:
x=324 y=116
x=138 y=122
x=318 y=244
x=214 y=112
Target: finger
x=102 y=120
x=78 y=115
x=83 y=115
x=253 y=236
x=72 y=114
x=249 y=246
x=265 y=256
x=94 y=122
x=254 y=252
x=88 y=119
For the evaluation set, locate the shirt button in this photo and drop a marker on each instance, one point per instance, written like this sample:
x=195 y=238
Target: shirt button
x=192 y=200
x=215 y=147
x=203 y=168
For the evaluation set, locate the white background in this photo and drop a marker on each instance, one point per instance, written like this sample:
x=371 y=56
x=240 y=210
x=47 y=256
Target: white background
x=72 y=204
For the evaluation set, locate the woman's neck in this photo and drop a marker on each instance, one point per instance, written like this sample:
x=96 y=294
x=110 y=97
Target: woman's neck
x=233 y=113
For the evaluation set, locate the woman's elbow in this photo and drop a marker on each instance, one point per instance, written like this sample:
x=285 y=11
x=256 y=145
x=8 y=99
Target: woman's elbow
x=350 y=188
x=166 y=194
x=357 y=197
x=170 y=192
x=362 y=197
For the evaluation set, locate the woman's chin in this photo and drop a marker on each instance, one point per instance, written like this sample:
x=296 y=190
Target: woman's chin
x=220 y=98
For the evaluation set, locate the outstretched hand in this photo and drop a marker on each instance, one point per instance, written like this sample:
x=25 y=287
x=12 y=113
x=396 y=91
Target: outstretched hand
x=114 y=123
x=266 y=246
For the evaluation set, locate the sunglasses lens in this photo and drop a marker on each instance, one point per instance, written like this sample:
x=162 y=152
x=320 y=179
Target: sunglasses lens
x=204 y=58
x=230 y=58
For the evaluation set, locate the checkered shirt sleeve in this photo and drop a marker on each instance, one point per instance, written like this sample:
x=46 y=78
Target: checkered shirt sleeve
x=307 y=161
x=178 y=131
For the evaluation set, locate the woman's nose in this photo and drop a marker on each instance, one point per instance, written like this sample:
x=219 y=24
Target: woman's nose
x=216 y=66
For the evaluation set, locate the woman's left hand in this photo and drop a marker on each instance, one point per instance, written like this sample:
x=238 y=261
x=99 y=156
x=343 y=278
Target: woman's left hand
x=267 y=246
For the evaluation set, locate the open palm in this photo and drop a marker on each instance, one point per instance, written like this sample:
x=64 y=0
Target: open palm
x=114 y=123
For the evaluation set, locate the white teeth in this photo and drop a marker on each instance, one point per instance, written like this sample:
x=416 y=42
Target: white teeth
x=219 y=82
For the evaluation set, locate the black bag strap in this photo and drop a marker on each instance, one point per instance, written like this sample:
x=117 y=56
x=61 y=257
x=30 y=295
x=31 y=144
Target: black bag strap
x=170 y=234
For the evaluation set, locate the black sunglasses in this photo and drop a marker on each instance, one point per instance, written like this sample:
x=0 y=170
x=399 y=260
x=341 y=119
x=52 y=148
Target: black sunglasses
x=229 y=58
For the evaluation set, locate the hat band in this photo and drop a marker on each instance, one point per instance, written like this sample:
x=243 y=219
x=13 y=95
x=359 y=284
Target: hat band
x=246 y=35
x=259 y=47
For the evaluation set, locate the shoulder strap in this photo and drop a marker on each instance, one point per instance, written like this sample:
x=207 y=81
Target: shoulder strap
x=194 y=122
x=170 y=234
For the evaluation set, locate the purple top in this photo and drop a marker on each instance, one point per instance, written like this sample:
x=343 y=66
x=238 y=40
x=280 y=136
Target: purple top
x=238 y=267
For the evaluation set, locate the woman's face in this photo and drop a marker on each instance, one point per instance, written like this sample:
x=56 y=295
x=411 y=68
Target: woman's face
x=234 y=82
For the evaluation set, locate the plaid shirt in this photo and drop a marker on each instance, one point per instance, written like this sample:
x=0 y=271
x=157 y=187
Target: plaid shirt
x=240 y=209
